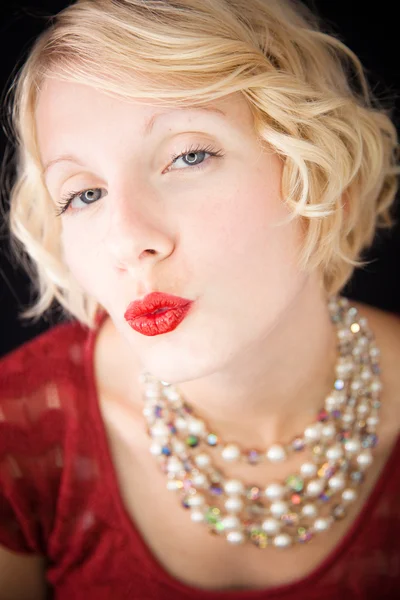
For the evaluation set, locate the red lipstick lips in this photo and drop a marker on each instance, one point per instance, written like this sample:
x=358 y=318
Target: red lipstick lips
x=157 y=313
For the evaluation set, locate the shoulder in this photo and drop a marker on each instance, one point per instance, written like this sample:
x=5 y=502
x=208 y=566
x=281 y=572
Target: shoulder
x=386 y=330
x=46 y=355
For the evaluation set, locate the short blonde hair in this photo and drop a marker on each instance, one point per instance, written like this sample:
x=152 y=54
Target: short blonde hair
x=307 y=90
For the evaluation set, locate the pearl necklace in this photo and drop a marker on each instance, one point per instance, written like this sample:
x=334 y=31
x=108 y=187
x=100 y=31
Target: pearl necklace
x=339 y=442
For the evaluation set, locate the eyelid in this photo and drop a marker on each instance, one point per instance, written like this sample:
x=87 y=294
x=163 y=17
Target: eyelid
x=214 y=152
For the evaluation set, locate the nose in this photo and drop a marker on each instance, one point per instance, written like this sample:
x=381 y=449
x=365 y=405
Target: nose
x=137 y=233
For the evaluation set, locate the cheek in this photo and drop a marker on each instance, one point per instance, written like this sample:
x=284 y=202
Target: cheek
x=81 y=255
x=244 y=222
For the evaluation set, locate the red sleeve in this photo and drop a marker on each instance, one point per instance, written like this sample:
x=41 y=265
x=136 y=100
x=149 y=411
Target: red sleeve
x=32 y=430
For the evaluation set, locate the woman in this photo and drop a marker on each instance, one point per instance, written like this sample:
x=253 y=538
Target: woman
x=196 y=183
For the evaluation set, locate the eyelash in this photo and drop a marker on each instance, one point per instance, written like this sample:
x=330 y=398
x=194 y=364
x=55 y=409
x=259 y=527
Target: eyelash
x=68 y=198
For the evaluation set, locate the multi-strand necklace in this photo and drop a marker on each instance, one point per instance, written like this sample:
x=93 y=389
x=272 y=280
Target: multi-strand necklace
x=338 y=444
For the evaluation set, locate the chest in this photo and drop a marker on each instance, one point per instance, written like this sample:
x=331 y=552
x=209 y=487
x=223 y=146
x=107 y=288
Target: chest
x=186 y=550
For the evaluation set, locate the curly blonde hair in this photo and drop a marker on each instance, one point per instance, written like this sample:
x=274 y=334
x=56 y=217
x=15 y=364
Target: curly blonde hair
x=307 y=90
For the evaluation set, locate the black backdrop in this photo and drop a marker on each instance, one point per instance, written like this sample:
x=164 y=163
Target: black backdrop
x=370 y=29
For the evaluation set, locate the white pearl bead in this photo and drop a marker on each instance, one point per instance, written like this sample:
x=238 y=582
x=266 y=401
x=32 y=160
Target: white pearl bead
x=152 y=391
x=279 y=508
x=274 y=491
x=344 y=334
x=362 y=409
x=196 y=427
x=356 y=385
x=334 y=452
x=196 y=500
x=173 y=485
x=309 y=510
x=174 y=465
x=331 y=402
x=148 y=412
x=315 y=487
x=155 y=449
x=202 y=460
x=276 y=453
x=349 y=495
x=308 y=469
x=366 y=374
x=200 y=480
x=348 y=417
x=235 y=537
x=364 y=459
x=171 y=393
x=372 y=421
x=313 y=432
x=233 y=504
x=178 y=446
x=234 y=487
x=231 y=452
x=376 y=386
x=271 y=526
x=336 y=482
x=344 y=369
x=328 y=431
x=197 y=516
x=230 y=522
x=321 y=524
x=180 y=423
x=283 y=540
x=159 y=430
x=352 y=446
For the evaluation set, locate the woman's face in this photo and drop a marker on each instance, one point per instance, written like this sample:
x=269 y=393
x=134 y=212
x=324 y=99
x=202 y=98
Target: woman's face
x=214 y=222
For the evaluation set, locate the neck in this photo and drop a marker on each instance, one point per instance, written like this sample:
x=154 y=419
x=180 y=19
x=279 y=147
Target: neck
x=275 y=389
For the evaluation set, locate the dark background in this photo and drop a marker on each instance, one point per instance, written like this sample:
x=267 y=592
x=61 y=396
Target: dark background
x=369 y=29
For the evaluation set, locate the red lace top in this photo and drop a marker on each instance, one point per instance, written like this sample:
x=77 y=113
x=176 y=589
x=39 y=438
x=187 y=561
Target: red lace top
x=59 y=494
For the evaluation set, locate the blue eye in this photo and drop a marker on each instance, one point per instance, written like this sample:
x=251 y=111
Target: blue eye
x=88 y=196
x=192 y=157
x=195 y=155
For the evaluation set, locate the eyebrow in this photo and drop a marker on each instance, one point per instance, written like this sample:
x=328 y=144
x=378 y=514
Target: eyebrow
x=146 y=132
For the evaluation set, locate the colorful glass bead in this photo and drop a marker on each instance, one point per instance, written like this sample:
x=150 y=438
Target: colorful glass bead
x=192 y=441
x=304 y=535
x=357 y=476
x=295 y=482
x=253 y=493
x=259 y=537
x=172 y=428
x=298 y=444
x=253 y=457
x=187 y=484
x=158 y=411
x=290 y=518
x=317 y=450
x=166 y=451
x=326 y=470
x=339 y=384
x=213 y=515
x=369 y=440
x=219 y=527
x=325 y=496
x=187 y=465
x=296 y=499
x=322 y=416
x=185 y=502
x=216 y=490
x=338 y=511
x=212 y=439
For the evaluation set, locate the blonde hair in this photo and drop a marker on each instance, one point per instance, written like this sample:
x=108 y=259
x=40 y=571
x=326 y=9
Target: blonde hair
x=307 y=91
